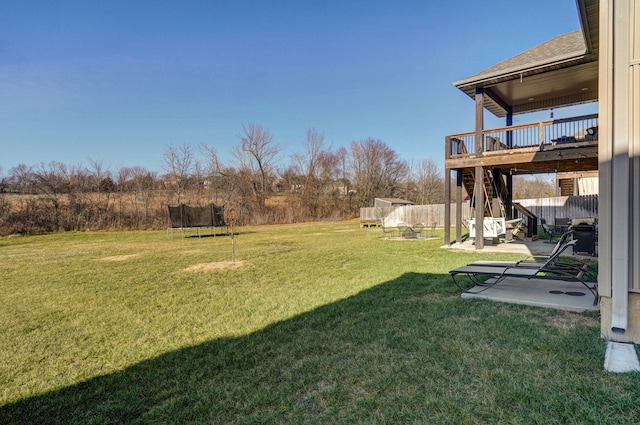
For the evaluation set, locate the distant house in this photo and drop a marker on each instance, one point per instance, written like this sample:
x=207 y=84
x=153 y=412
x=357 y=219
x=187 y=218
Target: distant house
x=577 y=183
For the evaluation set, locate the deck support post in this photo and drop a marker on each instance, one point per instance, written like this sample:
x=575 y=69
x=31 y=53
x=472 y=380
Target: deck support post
x=478 y=190
x=458 y=206
x=447 y=194
x=508 y=204
x=447 y=207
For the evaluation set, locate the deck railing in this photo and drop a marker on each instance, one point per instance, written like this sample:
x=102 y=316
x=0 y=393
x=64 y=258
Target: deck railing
x=536 y=136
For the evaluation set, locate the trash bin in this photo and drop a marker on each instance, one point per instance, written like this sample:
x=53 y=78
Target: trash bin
x=584 y=231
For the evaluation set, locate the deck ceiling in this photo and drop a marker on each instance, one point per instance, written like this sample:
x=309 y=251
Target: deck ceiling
x=551 y=166
x=553 y=89
x=560 y=72
x=545 y=168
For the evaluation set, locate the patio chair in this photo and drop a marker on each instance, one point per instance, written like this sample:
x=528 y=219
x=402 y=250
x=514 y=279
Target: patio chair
x=387 y=231
x=549 y=230
x=418 y=228
x=406 y=231
x=562 y=224
x=489 y=275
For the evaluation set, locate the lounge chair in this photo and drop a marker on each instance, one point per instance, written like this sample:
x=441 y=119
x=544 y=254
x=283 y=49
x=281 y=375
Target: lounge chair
x=532 y=261
x=485 y=274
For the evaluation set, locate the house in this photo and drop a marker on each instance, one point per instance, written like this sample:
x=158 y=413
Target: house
x=577 y=183
x=619 y=169
x=599 y=63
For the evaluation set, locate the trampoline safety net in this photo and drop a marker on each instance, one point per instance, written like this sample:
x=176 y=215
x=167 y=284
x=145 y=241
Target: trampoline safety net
x=186 y=216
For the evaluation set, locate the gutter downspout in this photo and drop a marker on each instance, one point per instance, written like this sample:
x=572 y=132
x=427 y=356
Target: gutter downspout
x=620 y=170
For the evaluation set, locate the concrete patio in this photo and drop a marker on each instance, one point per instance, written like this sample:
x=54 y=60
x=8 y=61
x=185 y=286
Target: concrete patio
x=537 y=247
x=547 y=293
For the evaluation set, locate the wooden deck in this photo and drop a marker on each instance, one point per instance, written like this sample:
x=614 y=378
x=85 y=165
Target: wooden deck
x=566 y=145
x=570 y=157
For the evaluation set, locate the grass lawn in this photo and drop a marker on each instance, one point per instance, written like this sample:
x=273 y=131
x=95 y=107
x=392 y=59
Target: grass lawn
x=313 y=323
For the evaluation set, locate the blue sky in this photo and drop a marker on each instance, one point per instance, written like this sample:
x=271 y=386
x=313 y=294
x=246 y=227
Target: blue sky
x=118 y=81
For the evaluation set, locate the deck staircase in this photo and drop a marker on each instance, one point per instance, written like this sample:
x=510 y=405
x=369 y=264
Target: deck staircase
x=492 y=179
x=532 y=220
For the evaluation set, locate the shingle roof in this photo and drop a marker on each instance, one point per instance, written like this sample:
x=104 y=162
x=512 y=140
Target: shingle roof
x=396 y=201
x=560 y=48
x=560 y=72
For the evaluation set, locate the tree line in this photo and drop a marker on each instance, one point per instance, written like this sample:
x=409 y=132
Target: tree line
x=316 y=183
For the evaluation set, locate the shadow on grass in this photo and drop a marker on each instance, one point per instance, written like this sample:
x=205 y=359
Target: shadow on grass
x=408 y=350
x=211 y=235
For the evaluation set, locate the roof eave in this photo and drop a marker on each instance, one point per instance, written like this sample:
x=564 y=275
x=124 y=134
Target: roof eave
x=584 y=24
x=532 y=68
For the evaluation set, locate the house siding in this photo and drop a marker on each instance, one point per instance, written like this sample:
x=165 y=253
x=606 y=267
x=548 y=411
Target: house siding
x=634 y=132
x=619 y=167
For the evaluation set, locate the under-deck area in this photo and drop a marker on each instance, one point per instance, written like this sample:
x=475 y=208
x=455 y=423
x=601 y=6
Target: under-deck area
x=553 y=146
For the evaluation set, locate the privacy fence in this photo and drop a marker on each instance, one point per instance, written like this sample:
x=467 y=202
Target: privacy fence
x=548 y=209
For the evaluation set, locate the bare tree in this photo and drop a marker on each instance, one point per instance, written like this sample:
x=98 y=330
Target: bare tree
x=178 y=164
x=333 y=189
x=212 y=162
x=144 y=182
x=123 y=177
x=346 y=181
x=215 y=173
x=256 y=155
x=307 y=162
x=429 y=181
x=105 y=187
x=307 y=165
x=537 y=186
x=22 y=179
x=52 y=181
x=136 y=187
x=377 y=170
x=4 y=204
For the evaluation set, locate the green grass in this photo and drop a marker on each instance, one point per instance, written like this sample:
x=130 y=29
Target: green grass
x=317 y=323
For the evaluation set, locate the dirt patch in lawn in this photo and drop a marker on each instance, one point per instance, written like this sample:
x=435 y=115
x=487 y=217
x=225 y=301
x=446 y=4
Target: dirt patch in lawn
x=120 y=257
x=213 y=267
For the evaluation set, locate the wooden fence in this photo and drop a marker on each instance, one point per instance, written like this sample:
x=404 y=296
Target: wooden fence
x=562 y=207
x=546 y=208
x=409 y=214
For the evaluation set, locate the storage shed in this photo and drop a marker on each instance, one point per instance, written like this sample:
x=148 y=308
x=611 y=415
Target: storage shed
x=381 y=208
x=390 y=202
